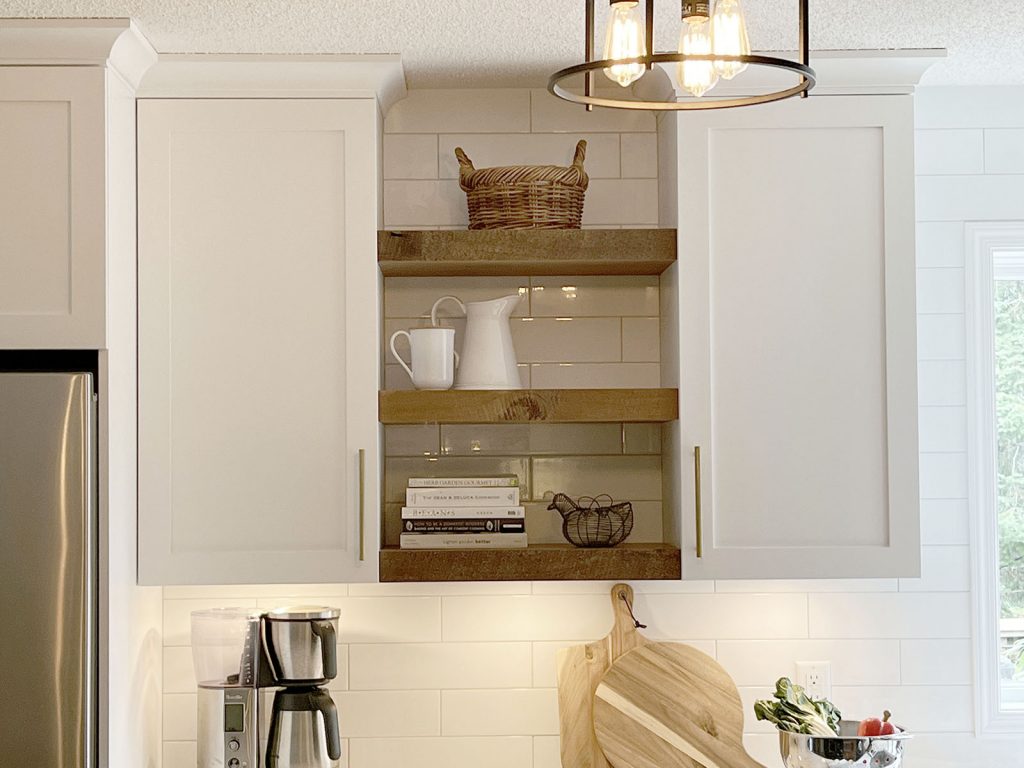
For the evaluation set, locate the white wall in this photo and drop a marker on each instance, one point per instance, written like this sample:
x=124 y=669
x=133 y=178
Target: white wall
x=462 y=675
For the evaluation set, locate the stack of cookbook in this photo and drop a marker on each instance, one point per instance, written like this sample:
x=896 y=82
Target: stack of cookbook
x=463 y=513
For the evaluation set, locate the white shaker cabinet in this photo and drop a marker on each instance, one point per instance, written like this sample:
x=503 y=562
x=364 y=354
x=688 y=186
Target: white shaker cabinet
x=52 y=207
x=797 y=340
x=258 y=370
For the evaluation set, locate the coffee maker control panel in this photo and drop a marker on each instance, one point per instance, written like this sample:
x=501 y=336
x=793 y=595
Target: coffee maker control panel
x=240 y=728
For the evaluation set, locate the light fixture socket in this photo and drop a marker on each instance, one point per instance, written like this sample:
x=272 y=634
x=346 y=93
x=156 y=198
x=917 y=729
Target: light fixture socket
x=696 y=11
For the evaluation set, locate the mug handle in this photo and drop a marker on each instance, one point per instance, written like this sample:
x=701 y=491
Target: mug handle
x=394 y=352
x=433 y=309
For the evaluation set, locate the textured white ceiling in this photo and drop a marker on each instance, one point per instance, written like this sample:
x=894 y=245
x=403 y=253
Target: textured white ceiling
x=493 y=43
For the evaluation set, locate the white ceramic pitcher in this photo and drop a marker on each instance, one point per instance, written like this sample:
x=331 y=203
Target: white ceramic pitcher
x=488 y=357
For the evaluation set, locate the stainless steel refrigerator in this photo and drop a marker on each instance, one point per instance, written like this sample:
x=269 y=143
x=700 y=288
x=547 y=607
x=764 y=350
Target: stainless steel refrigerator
x=48 y=570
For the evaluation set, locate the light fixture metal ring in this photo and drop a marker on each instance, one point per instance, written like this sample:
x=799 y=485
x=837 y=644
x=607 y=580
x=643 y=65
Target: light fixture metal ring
x=807 y=81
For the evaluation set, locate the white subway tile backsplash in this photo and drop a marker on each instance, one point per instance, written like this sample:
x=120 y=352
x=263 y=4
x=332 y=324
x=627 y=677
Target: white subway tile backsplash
x=943 y=429
x=449 y=752
x=920 y=615
x=505 y=110
x=941 y=337
x=945 y=522
x=412 y=440
x=949 y=152
x=525 y=618
x=854 y=662
x=441 y=666
x=532 y=711
x=935 y=662
x=1004 y=150
x=970 y=198
x=622 y=201
x=390 y=620
x=413 y=297
x=595 y=296
x=940 y=244
x=590 y=375
x=180 y=754
x=490 y=150
x=179 y=716
x=179 y=672
x=641 y=339
x=807 y=585
x=722 y=616
x=568 y=340
x=943 y=475
x=553 y=115
x=641 y=438
x=943 y=569
x=938 y=107
x=547 y=752
x=376 y=714
x=410 y=156
x=410 y=203
x=624 y=478
x=639 y=156
x=918 y=708
x=942 y=382
x=940 y=291
x=534 y=439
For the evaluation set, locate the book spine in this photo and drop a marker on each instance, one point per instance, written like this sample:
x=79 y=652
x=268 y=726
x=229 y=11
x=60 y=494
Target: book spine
x=442 y=513
x=507 y=481
x=475 y=525
x=462 y=497
x=462 y=540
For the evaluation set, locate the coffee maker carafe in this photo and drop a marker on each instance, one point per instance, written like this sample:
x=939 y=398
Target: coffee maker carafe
x=302 y=651
x=238 y=654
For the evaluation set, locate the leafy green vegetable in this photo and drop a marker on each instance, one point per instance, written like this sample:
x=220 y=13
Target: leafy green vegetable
x=795 y=711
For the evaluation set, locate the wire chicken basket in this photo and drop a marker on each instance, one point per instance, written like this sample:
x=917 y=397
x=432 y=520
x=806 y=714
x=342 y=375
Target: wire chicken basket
x=590 y=523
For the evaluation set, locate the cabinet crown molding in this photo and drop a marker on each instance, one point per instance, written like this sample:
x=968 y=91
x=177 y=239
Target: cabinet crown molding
x=379 y=76
x=117 y=43
x=840 y=73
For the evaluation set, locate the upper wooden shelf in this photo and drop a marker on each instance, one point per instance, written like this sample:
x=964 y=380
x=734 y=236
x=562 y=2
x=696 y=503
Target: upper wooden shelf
x=554 y=406
x=526 y=252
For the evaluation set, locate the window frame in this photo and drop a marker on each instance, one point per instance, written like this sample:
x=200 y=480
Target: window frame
x=983 y=242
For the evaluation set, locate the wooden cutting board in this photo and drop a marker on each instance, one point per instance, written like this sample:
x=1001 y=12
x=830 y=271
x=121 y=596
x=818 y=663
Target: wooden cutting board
x=580 y=669
x=664 y=705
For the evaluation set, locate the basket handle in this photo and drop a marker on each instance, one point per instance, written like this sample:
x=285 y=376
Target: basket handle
x=579 y=156
x=465 y=164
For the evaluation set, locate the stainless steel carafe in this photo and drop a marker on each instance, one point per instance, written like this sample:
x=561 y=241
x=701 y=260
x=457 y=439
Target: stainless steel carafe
x=303 y=730
x=301 y=645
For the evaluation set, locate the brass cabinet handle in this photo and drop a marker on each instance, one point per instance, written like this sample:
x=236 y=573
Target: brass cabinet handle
x=696 y=501
x=362 y=503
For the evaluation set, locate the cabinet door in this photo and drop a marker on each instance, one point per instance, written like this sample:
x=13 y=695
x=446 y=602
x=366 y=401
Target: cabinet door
x=52 y=154
x=258 y=307
x=798 y=340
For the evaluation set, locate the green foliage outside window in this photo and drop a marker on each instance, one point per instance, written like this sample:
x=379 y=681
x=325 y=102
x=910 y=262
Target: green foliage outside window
x=1009 y=360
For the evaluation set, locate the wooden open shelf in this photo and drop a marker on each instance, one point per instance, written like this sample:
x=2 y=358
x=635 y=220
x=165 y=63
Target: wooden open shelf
x=526 y=252
x=541 y=562
x=518 y=406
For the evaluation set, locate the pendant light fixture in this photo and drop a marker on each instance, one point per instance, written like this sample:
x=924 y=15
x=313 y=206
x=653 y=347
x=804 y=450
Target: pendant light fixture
x=713 y=46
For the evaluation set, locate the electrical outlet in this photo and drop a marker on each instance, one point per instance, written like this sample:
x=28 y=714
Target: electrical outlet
x=815 y=677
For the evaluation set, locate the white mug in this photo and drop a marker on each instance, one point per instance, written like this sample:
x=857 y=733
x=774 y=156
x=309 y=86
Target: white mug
x=434 y=358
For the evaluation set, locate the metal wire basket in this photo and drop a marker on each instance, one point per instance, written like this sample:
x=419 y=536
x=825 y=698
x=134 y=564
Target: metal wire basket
x=590 y=523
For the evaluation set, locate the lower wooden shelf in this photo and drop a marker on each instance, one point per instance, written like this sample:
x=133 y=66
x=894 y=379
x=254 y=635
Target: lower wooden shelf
x=540 y=562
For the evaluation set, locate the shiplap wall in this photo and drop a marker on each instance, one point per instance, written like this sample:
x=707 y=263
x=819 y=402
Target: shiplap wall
x=463 y=675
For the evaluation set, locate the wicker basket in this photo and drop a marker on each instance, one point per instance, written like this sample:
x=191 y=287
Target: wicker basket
x=525 y=196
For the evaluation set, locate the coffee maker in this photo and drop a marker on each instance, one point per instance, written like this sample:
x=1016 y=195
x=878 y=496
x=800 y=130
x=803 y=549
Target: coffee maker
x=240 y=655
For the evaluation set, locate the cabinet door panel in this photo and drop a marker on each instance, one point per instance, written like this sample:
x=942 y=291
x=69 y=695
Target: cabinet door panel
x=257 y=318
x=52 y=233
x=800 y=385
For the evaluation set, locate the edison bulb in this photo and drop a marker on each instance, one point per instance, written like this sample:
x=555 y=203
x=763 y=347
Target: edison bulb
x=729 y=37
x=698 y=77
x=625 y=40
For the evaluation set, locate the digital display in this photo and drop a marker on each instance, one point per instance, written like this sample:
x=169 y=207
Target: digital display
x=234 y=718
